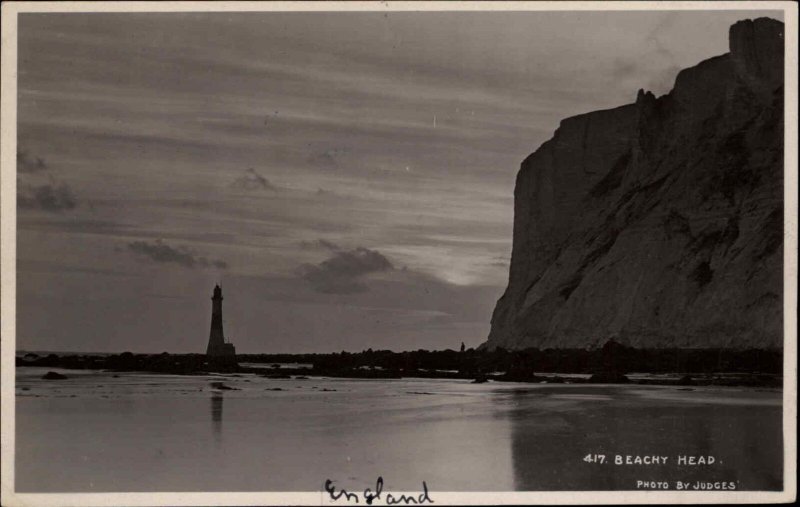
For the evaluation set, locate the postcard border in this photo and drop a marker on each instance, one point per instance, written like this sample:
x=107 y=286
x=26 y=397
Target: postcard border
x=8 y=91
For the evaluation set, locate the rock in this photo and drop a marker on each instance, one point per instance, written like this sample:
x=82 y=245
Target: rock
x=223 y=387
x=686 y=380
x=275 y=375
x=51 y=375
x=658 y=223
x=608 y=378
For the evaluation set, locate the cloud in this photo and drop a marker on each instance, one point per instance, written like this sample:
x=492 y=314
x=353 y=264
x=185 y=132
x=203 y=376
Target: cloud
x=624 y=69
x=320 y=244
x=32 y=193
x=28 y=164
x=343 y=273
x=325 y=195
x=158 y=251
x=48 y=197
x=662 y=30
x=251 y=180
x=327 y=158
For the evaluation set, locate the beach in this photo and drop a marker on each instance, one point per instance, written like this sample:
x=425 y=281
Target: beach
x=104 y=432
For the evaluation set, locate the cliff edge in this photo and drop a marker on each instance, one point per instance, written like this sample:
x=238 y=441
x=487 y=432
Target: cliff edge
x=658 y=223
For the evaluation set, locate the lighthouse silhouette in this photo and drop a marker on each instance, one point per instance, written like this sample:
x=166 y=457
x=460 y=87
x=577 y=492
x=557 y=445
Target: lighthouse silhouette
x=218 y=349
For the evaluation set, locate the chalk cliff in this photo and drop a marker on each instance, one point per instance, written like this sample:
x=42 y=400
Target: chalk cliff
x=658 y=223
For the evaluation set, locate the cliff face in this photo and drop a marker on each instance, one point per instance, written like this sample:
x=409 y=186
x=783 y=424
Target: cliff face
x=658 y=223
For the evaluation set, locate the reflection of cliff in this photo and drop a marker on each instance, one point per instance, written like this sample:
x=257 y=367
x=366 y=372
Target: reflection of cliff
x=554 y=429
x=658 y=223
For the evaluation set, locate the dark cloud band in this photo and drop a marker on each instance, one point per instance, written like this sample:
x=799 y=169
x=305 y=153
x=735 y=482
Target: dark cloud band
x=344 y=271
x=158 y=251
x=48 y=197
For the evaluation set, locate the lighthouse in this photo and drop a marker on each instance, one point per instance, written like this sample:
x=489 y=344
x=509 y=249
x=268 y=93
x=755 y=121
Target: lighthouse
x=218 y=349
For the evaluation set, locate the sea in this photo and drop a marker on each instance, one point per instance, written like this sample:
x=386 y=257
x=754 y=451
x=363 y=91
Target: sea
x=100 y=431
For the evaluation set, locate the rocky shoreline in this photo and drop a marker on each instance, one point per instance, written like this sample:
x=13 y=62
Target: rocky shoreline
x=611 y=364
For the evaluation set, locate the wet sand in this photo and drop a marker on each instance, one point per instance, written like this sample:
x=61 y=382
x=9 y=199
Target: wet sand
x=142 y=432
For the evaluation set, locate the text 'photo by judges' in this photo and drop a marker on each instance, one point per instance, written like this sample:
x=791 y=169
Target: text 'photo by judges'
x=398 y=253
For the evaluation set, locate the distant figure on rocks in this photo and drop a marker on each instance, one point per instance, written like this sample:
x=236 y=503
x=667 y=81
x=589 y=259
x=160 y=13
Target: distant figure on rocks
x=462 y=347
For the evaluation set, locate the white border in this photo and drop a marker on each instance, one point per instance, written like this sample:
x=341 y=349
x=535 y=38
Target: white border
x=8 y=92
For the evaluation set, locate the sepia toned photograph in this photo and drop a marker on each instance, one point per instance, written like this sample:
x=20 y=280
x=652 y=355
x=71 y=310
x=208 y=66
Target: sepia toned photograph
x=364 y=253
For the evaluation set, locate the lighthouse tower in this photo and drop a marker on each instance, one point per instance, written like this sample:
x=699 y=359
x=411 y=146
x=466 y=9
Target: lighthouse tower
x=218 y=349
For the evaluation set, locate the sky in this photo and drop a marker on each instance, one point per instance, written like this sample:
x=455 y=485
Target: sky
x=347 y=178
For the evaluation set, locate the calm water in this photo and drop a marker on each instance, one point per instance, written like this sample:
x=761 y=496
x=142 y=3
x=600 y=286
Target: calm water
x=140 y=432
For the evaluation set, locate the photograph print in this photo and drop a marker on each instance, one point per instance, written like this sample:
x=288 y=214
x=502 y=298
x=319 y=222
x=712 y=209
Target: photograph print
x=381 y=254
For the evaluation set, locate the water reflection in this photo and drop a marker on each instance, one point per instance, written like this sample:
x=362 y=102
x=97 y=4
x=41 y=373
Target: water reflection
x=216 y=416
x=554 y=428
